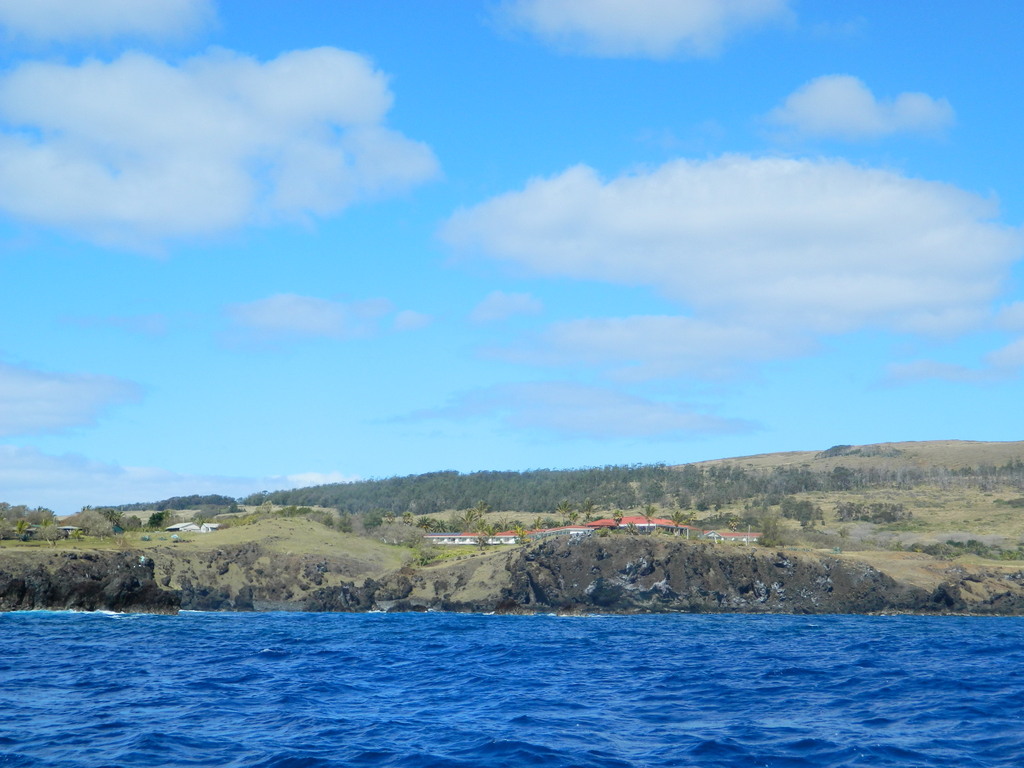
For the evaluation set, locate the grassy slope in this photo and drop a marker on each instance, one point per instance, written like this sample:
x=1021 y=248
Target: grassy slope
x=940 y=513
x=953 y=454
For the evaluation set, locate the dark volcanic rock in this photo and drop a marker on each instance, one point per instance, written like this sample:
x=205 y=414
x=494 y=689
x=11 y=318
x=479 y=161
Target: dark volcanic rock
x=86 y=581
x=658 y=574
x=613 y=574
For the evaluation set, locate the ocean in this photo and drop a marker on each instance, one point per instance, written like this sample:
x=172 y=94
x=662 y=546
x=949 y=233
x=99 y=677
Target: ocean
x=297 y=690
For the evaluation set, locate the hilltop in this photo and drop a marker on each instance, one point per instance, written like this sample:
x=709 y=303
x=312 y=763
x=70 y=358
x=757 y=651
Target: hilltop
x=945 y=454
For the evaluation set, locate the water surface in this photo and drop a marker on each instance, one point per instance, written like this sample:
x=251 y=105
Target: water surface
x=294 y=689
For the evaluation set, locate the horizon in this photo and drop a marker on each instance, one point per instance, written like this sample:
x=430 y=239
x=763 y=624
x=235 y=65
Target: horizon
x=256 y=247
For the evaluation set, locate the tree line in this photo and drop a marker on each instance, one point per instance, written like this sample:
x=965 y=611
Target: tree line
x=703 y=488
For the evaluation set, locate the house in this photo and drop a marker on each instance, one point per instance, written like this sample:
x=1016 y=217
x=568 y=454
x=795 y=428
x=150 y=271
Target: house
x=505 y=537
x=509 y=537
x=192 y=527
x=572 y=531
x=641 y=524
x=645 y=525
x=735 y=536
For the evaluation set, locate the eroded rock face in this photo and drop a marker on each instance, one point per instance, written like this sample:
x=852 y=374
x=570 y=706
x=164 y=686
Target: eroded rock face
x=85 y=581
x=653 y=574
x=657 y=574
x=250 y=577
x=617 y=574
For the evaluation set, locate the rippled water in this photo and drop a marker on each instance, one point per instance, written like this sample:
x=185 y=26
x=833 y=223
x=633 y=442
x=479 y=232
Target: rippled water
x=463 y=690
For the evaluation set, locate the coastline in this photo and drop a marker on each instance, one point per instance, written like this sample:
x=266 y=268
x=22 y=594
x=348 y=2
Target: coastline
x=600 y=576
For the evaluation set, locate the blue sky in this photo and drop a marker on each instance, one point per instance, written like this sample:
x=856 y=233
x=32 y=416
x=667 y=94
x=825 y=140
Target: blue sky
x=252 y=245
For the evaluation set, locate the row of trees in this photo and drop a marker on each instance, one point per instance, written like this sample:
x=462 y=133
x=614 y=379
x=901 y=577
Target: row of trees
x=701 y=488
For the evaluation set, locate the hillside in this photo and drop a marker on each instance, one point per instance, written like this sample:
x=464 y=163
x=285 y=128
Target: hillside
x=938 y=517
x=947 y=454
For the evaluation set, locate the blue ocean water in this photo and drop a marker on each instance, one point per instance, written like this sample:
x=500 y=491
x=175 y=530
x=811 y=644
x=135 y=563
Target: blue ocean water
x=416 y=690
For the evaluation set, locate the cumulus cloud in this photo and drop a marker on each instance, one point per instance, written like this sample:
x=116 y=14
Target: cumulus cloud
x=64 y=20
x=573 y=410
x=410 y=320
x=65 y=483
x=1009 y=359
x=763 y=255
x=654 y=346
x=33 y=402
x=1004 y=363
x=138 y=151
x=654 y=28
x=499 y=305
x=288 y=315
x=841 y=106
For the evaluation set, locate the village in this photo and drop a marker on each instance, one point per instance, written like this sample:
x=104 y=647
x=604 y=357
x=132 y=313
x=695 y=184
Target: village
x=629 y=524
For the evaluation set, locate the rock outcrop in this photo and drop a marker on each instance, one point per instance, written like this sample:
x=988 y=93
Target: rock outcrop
x=646 y=574
x=84 y=581
x=614 y=574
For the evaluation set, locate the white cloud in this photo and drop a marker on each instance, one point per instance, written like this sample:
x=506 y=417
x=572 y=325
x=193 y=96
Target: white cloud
x=927 y=370
x=652 y=28
x=498 y=305
x=64 y=20
x=66 y=483
x=573 y=410
x=763 y=255
x=841 y=106
x=1008 y=359
x=137 y=151
x=643 y=347
x=287 y=315
x=819 y=244
x=410 y=320
x=1011 y=317
x=306 y=479
x=37 y=402
x=1001 y=364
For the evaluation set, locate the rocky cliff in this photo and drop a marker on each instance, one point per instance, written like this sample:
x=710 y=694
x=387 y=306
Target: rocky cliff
x=657 y=574
x=83 y=581
x=619 y=574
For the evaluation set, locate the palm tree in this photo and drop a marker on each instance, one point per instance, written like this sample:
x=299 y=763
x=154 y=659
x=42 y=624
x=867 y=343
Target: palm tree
x=563 y=509
x=649 y=512
x=520 y=534
x=588 y=509
x=485 y=532
x=113 y=516
x=430 y=524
